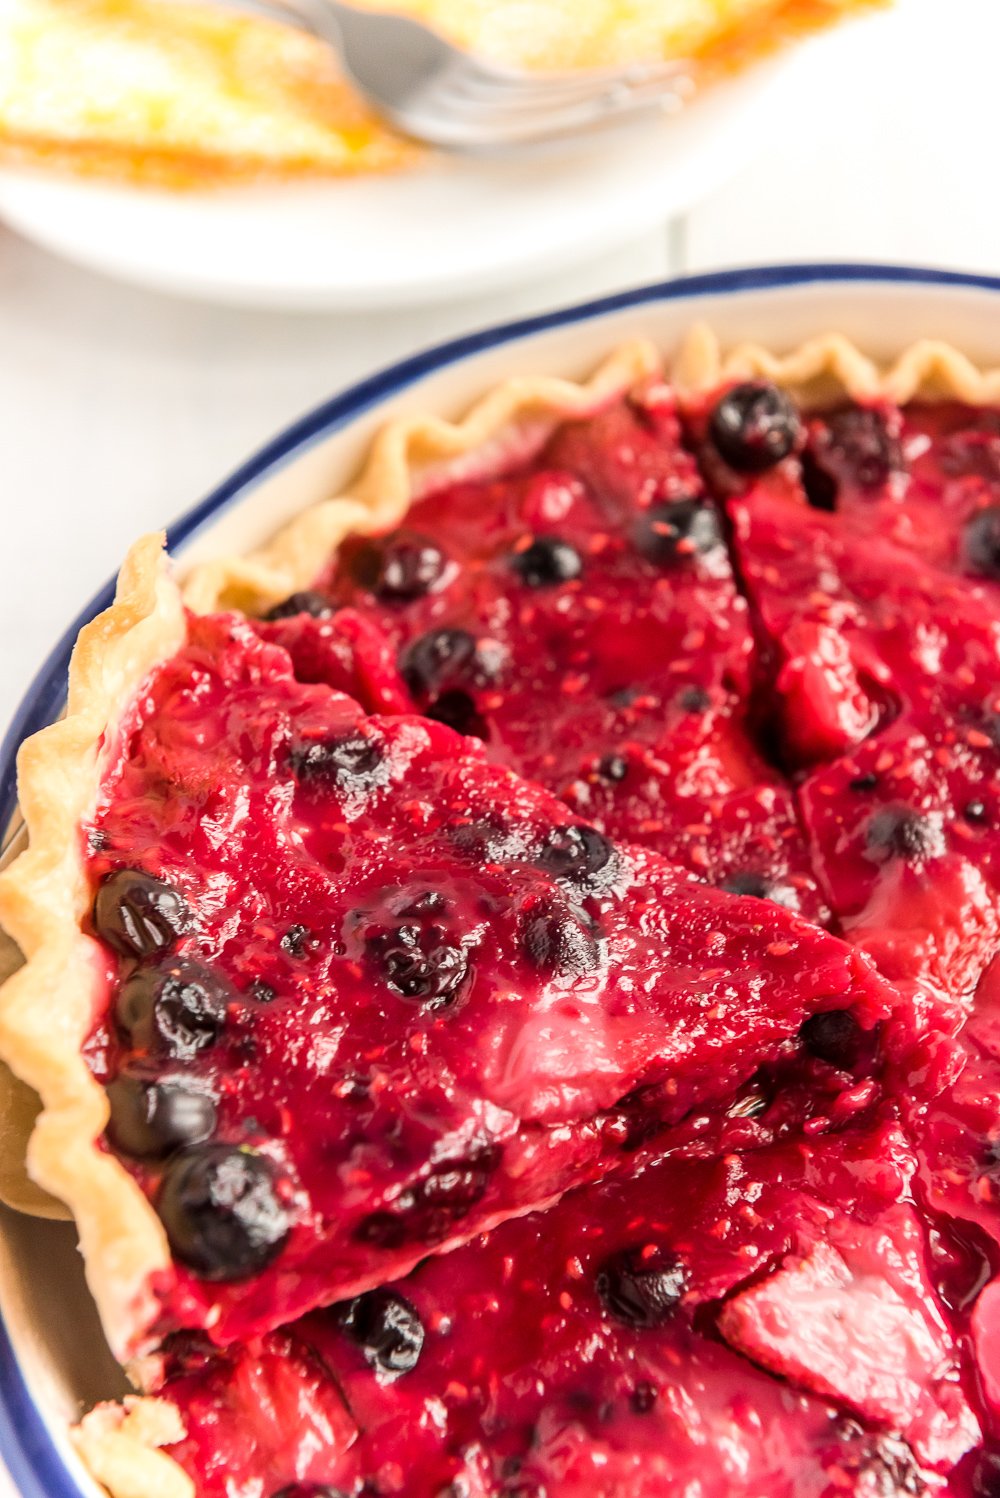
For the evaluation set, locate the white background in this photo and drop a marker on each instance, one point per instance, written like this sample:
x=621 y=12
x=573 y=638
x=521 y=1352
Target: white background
x=120 y=408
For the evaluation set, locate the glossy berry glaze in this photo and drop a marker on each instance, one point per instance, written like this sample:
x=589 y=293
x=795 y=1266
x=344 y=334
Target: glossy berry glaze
x=879 y=627
x=708 y=636
x=368 y=994
x=762 y=644
x=758 y=1324
x=582 y=618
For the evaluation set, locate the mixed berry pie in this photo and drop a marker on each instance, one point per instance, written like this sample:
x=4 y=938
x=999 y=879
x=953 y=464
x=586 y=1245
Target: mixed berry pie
x=512 y=967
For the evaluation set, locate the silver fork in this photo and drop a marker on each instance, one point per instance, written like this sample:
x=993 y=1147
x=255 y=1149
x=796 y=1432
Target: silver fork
x=437 y=93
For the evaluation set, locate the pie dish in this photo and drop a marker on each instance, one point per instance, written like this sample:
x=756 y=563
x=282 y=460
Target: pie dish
x=817 y=442
x=187 y=95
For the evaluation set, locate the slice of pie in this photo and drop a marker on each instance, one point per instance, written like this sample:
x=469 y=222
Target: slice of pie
x=174 y=93
x=755 y=1323
x=333 y=991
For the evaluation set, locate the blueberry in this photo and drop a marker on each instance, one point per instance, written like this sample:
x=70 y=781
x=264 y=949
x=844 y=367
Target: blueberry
x=400 y=567
x=753 y=1100
x=644 y=1397
x=418 y=958
x=749 y=883
x=349 y=761
x=439 y=658
x=457 y=710
x=613 y=768
x=754 y=426
x=990 y=723
x=855 y=444
x=668 y=534
x=890 y=1469
x=221 y=1211
x=173 y=1009
x=261 y=991
x=294 y=940
x=138 y=914
x=558 y=944
x=641 y=1288
x=986 y=1476
x=695 y=700
x=388 y=1330
x=306 y=602
x=834 y=1036
x=980 y=543
x=188 y=1352
x=150 y=1118
x=546 y=562
x=382 y=1230
x=897 y=831
x=974 y=811
x=622 y=697
x=578 y=855
x=433 y=976
x=820 y=487
x=866 y=782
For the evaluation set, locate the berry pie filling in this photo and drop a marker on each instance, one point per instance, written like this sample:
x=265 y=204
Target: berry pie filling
x=749 y=1323
x=547 y=985
x=367 y=994
x=758 y=641
x=581 y=617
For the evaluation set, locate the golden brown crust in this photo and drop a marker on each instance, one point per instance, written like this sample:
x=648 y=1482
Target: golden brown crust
x=47 y=1006
x=202 y=96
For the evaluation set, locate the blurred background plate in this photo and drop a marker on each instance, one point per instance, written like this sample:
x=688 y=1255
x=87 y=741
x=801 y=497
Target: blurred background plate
x=457 y=228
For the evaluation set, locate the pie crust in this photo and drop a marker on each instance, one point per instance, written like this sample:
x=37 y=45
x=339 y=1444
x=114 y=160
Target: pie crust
x=43 y=900
x=43 y=895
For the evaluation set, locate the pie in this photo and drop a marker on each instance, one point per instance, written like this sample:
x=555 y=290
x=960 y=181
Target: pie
x=512 y=969
x=177 y=94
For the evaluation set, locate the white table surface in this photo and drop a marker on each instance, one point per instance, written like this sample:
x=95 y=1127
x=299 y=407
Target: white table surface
x=118 y=408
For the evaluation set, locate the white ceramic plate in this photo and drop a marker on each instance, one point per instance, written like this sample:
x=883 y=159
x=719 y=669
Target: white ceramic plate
x=455 y=229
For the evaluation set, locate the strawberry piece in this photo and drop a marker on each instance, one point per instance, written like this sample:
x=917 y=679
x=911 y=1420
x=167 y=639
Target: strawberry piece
x=855 y=1320
x=269 y=1410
